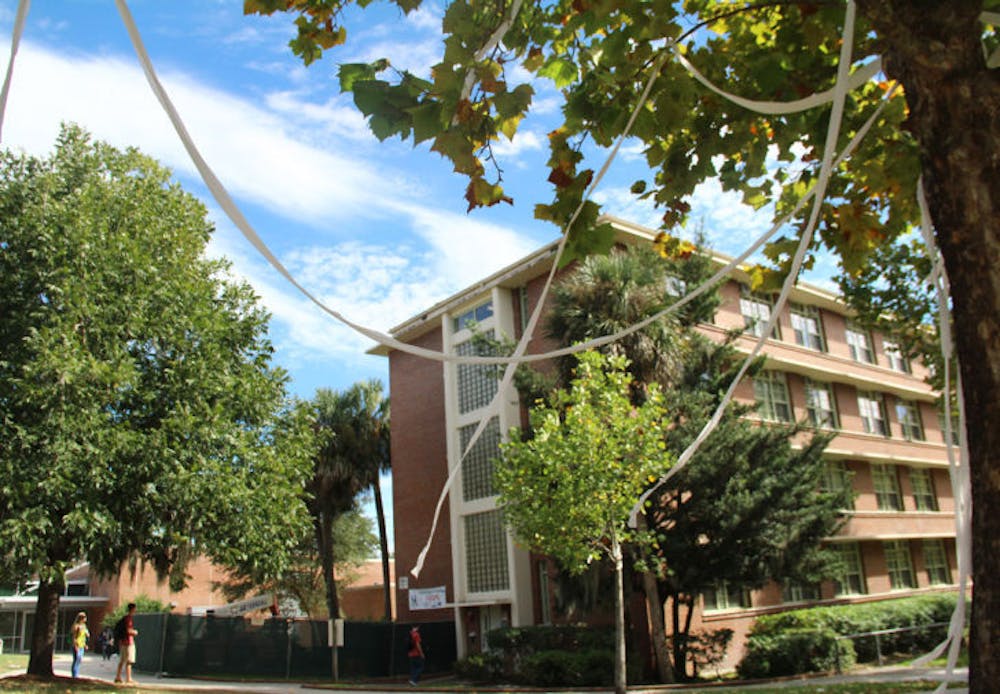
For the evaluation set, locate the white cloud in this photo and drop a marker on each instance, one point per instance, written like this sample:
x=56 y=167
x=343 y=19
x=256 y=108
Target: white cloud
x=524 y=141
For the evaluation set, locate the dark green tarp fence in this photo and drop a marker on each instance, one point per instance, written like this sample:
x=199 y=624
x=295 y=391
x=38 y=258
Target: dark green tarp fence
x=191 y=646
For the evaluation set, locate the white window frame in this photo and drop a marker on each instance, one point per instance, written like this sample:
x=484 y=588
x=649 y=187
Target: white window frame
x=821 y=414
x=808 y=327
x=894 y=355
x=899 y=564
x=908 y=414
x=726 y=596
x=766 y=386
x=756 y=311
x=860 y=341
x=871 y=408
x=936 y=562
x=853 y=570
x=837 y=478
x=922 y=486
x=885 y=483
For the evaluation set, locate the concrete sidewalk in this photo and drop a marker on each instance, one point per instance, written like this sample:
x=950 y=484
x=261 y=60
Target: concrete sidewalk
x=95 y=667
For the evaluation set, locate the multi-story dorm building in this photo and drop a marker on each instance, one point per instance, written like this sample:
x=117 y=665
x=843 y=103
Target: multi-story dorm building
x=899 y=536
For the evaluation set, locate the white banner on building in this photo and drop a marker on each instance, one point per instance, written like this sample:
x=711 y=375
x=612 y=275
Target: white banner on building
x=427 y=598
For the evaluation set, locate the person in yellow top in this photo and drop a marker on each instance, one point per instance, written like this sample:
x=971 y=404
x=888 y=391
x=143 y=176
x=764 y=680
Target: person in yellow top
x=79 y=636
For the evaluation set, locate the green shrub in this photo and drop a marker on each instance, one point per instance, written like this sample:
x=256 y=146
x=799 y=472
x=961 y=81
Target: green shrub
x=795 y=651
x=480 y=667
x=918 y=611
x=534 y=639
x=567 y=668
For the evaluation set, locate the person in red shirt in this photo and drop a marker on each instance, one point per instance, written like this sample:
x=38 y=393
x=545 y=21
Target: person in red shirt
x=126 y=647
x=416 y=653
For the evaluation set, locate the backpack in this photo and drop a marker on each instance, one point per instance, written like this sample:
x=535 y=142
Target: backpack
x=121 y=632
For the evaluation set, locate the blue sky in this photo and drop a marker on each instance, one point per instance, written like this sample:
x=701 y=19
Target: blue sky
x=377 y=230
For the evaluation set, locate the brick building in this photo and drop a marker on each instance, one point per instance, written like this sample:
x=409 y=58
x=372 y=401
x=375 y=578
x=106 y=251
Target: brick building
x=899 y=538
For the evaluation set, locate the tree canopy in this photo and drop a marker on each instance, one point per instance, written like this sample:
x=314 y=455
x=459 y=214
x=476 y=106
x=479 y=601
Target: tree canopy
x=934 y=112
x=567 y=489
x=140 y=417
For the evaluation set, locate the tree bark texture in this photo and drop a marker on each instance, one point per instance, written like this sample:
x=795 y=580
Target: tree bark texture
x=383 y=540
x=658 y=625
x=934 y=49
x=324 y=538
x=43 y=635
x=620 y=673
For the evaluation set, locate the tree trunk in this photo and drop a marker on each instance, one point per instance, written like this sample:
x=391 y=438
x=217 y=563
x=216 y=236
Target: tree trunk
x=616 y=557
x=43 y=636
x=934 y=50
x=324 y=538
x=383 y=540
x=654 y=604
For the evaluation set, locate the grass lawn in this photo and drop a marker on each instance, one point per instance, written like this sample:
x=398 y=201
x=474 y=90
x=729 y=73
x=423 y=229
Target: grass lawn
x=13 y=661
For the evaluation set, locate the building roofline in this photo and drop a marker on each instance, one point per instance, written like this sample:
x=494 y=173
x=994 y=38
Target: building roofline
x=535 y=263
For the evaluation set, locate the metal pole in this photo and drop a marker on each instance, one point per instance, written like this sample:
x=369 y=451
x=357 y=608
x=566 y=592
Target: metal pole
x=288 y=649
x=163 y=640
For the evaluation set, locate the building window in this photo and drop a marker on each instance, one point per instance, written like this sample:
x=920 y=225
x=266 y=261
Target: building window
x=908 y=414
x=820 y=404
x=675 y=287
x=886 y=483
x=771 y=391
x=894 y=355
x=799 y=592
x=756 y=310
x=897 y=560
x=923 y=489
x=808 y=328
x=522 y=304
x=936 y=563
x=726 y=596
x=477 y=383
x=860 y=342
x=472 y=316
x=77 y=588
x=486 y=552
x=871 y=407
x=851 y=579
x=477 y=464
x=837 y=479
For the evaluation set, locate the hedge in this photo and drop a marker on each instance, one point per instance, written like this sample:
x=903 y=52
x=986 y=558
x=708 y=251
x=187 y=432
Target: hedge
x=794 y=652
x=859 y=618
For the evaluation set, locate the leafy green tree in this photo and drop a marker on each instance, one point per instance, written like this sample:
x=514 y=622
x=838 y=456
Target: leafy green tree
x=354 y=428
x=303 y=580
x=567 y=491
x=941 y=125
x=745 y=481
x=140 y=418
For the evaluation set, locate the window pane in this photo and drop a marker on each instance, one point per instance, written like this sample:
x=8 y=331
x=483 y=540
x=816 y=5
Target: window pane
x=756 y=310
x=886 y=483
x=908 y=414
x=477 y=383
x=923 y=489
x=807 y=327
x=872 y=410
x=820 y=404
x=897 y=362
x=860 y=343
x=486 y=552
x=799 y=592
x=899 y=564
x=726 y=596
x=474 y=315
x=851 y=580
x=477 y=466
x=771 y=393
x=837 y=478
x=936 y=562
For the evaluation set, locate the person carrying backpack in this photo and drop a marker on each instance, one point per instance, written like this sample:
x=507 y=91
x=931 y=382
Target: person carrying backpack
x=415 y=651
x=125 y=634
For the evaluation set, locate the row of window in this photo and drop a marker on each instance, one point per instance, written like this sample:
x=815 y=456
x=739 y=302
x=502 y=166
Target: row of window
x=807 y=326
x=850 y=580
x=885 y=482
x=774 y=404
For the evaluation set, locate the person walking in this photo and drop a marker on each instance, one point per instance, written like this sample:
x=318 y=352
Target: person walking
x=125 y=633
x=416 y=654
x=79 y=636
